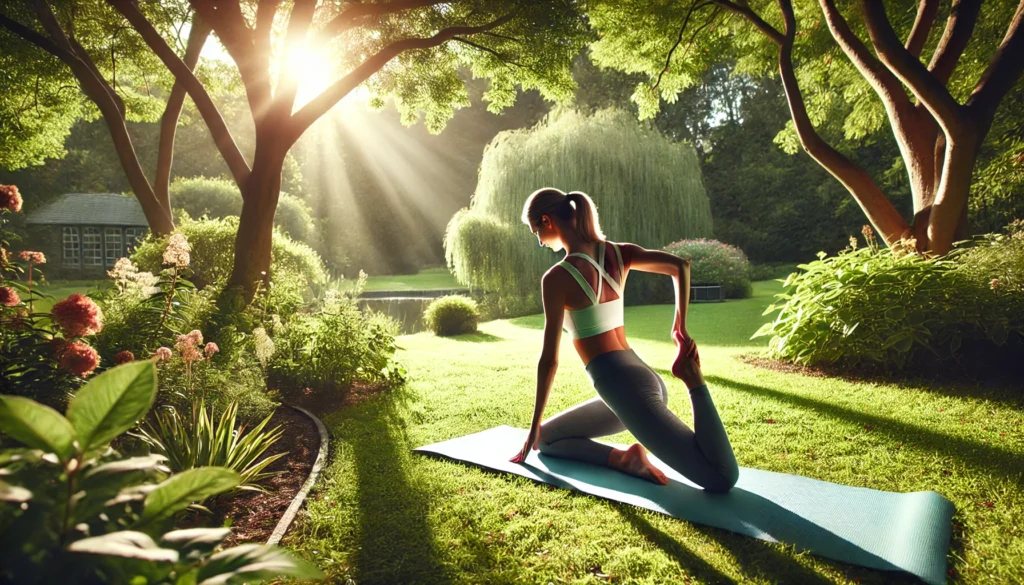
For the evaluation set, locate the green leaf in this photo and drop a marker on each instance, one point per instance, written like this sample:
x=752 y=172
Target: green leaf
x=126 y=543
x=904 y=344
x=37 y=426
x=113 y=402
x=178 y=491
x=954 y=344
x=145 y=463
x=894 y=339
x=252 y=563
x=998 y=334
x=195 y=538
x=763 y=330
x=895 y=313
x=13 y=494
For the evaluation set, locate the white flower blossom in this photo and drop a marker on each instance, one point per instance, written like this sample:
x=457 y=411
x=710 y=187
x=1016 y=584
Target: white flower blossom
x=177 y=252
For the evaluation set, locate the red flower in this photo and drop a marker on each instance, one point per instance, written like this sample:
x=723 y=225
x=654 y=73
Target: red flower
x=78 y=316
x=10 y=199
x=8 y=296
x=32 y=257
x=124 y=357
x=79 y=358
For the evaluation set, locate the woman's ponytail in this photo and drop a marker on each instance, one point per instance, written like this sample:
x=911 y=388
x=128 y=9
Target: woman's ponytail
x=587 y=225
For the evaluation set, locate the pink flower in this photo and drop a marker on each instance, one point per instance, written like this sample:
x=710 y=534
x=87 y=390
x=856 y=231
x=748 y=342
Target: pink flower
x=124 y=357
x=177 y=252
x=32 y=257
x=866 y=230
x=162 y=354
x=79 y=358
x=995 y=283
x=186 y=347
x=10 y=198
x=196 y=336
x=210 y=349
x=9 y=297
x=78 y=316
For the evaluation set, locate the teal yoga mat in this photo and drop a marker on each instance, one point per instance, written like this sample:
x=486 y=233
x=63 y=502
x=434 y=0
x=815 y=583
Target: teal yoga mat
x=882 y=530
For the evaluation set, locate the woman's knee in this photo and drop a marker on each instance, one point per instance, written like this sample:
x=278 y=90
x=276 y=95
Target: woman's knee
x=723 y=482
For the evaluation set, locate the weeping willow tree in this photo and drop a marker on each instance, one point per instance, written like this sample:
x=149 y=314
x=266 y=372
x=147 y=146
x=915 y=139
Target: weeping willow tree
x=648 y=191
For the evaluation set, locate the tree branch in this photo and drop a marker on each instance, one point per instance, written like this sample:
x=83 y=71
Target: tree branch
x=353 y=12
x=745 y=11
x=682 y=29
x=959 y=27
x=911 y=71
x=885 y=84
x=228 y=22
x=876 y=206
x=926 y=11
x=197 y=36
x=500 y=57
x=1001 y=74
x=37 y=39
x=312 y=111
x=287 y=81
x=183 y=74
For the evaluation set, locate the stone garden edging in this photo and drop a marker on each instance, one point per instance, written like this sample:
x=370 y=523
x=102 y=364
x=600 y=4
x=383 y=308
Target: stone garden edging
x=293 y=508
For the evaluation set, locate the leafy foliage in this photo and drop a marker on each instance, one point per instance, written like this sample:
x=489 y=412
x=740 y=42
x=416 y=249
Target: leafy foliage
x=294 y=266
x=715 y=263
x=81 y=512
x=200 y=439
x=889 y=309
x=452 y=315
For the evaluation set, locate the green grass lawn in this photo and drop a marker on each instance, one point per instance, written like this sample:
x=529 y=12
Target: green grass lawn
x=426 y=279
x=61 y=289
x=382 y=514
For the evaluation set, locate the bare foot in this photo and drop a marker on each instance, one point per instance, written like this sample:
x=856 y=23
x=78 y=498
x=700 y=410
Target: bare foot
x=634 y=462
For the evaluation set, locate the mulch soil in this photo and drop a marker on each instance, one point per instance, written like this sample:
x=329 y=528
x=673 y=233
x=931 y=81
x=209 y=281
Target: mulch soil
x=253 y=515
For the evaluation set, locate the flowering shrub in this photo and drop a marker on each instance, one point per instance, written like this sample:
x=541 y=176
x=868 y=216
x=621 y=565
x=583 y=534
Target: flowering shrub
x=42 y=355
x=714 y=262
x=893 y=308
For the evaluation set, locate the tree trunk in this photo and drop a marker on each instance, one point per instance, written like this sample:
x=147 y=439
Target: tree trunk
x=256 y=224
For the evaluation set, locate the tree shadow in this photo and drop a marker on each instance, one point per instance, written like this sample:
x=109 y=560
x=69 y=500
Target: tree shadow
x=989 y=458
x=998 y=387
x=396 y=541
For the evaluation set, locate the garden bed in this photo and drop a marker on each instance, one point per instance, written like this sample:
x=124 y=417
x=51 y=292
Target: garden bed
x=254 y=515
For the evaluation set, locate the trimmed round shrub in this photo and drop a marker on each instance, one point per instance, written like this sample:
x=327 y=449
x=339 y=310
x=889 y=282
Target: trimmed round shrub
x=294 y=265
x=452 y=315
x=713 y=262
x=890 y=310
x=217 y=198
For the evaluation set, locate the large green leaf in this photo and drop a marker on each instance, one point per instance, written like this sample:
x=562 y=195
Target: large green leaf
x=251 y=563
x=36 y=425
x=128 y=544
x=153 y=462
x=178 y=491
x=112 y=402
x=192 y=539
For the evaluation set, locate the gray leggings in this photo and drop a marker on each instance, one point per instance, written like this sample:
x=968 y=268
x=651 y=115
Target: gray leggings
x=632 y=396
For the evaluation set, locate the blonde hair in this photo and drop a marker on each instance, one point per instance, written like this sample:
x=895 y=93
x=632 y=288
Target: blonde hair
x=550 y=201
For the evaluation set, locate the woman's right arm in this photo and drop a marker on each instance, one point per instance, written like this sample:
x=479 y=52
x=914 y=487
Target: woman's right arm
x=639 y=258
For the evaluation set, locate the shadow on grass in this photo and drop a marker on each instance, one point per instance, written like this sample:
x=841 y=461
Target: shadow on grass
x=479 y=336
x=991 y=459
x=396 y=542
x=1000 y=387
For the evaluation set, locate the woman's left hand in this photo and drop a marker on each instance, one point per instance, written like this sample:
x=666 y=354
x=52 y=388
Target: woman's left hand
x=531 y=443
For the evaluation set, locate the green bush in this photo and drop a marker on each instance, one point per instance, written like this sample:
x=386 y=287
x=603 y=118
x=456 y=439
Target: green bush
x=77 y=511
x=452 y=315
x=217 y=198
x=771 y=270
x=293 y=264
x=714 y=262
x=332 y=347
x=891 y=309
x=199 y=439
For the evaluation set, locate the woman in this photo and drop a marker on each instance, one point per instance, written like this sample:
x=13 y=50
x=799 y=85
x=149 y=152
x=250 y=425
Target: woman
x=584 y=296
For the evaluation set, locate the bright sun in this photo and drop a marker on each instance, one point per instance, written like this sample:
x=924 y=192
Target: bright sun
x=313 y=71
